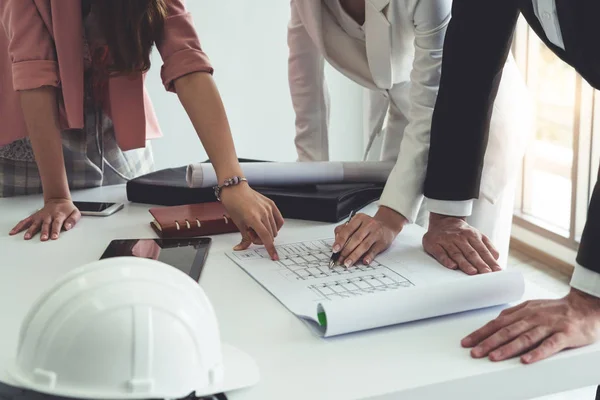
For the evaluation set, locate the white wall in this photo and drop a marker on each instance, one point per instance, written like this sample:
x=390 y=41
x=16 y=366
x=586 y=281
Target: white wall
x=247 y=46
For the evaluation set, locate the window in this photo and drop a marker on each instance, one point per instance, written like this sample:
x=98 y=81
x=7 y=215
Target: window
x=560 y=166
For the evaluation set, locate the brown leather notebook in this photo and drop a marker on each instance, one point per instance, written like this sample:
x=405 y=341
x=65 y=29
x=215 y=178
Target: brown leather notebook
x=192 y=220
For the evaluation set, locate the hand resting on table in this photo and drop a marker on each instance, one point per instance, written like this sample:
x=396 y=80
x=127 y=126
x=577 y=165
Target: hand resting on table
x=57 y=214
x=457 y=245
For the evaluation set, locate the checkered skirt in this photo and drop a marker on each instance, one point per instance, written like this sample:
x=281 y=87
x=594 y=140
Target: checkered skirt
x=92 y=158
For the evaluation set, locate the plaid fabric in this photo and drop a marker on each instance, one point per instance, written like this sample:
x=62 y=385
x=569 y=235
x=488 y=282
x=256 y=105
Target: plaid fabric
x=91 y=158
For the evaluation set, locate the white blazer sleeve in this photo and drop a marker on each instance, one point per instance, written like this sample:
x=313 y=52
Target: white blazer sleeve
x=310 y=96
x=404 y=189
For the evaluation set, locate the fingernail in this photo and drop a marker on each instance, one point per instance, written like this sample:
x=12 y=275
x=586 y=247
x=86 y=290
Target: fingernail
x=467 y=342
x=477 y=352
x=67 y=226
x=27 y=236
x=486 y=269
x=495 y=355
x=348 y=263
x=336 y=248
x=55 y=236
x=44 y=237
x=527 y=358
x=367 y=261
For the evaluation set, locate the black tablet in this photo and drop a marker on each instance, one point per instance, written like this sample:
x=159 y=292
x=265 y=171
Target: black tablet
x=187 y=255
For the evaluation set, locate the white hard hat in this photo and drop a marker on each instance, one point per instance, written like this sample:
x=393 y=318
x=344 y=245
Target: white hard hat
x=127 y=328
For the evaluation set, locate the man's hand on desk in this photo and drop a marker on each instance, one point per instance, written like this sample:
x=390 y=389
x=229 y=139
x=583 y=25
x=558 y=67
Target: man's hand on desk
x=538 y=329
x=455 y=244
x=365 y=236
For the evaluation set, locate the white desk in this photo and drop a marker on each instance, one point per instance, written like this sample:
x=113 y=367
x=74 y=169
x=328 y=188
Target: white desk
x=421 y=360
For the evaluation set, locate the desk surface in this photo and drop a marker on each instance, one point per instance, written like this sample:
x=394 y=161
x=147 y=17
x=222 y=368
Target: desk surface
x=422 y=360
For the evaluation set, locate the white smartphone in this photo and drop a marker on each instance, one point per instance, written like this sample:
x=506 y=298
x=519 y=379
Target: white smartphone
x=97 y=209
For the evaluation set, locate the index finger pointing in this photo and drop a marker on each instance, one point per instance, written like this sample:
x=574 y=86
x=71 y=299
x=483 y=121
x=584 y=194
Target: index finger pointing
x=266 y=238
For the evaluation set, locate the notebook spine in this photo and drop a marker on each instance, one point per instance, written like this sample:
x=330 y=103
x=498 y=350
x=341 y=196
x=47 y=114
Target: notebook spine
x=196 y=224
x=196 y=227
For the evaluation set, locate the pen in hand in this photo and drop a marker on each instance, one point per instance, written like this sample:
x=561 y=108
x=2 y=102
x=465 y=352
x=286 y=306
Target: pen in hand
x=336 y=256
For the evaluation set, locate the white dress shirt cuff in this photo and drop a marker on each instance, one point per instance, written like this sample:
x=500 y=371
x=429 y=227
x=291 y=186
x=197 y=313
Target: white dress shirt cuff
x=462 y=208
x=586 y=280
x=402 y=193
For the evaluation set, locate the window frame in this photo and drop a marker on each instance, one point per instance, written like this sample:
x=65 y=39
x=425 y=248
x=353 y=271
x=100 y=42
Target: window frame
x=586 y=151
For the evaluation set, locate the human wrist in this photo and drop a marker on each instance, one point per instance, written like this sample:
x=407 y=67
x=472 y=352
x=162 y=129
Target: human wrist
x=226 y=192
x=229 y=175
x=391 y=219
x=59 y=191
x=435 y=218
x=580 y=298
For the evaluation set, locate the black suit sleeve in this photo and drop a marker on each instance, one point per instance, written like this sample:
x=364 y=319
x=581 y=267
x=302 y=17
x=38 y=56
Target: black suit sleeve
x=588 y=255
x=476 y=47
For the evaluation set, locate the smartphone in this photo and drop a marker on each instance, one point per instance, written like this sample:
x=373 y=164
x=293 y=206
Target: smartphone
x=97 y=209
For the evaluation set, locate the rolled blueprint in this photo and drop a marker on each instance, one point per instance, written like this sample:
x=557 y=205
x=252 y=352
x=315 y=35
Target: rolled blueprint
x=394 y=307
x=296 y=173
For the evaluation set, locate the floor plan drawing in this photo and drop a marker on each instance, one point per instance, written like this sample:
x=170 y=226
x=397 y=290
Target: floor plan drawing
x=402 y=284
x=309 y=262
x=358 y=286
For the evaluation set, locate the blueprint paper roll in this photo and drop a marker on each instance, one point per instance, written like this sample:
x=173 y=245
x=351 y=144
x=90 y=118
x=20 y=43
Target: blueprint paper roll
x=361 y=313
x=296 y=173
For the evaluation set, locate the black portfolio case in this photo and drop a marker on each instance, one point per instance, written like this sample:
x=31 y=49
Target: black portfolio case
x=324 y=203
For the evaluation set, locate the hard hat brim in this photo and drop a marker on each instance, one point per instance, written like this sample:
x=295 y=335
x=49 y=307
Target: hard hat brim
x=240 y=371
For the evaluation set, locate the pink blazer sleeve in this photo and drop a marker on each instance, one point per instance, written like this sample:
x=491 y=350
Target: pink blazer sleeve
x=180 y=47
x=30 y=45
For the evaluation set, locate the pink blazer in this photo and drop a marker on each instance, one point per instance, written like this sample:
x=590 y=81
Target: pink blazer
x=42 y=45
